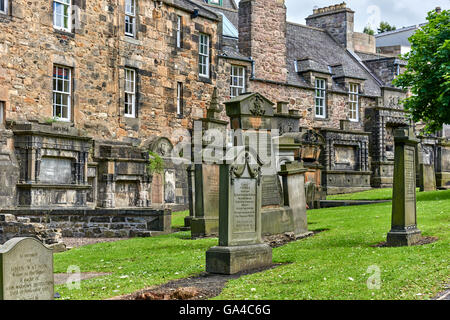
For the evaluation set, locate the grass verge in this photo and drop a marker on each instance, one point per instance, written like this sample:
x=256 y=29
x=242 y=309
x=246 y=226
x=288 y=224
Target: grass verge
x=335 y=264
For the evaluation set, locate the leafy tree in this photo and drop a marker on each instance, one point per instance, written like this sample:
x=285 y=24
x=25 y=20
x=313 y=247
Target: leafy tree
x=369 y=30
x=427 y=73
x=385 y=27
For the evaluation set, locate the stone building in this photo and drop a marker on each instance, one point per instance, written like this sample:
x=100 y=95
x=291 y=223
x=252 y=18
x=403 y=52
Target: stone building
x=88 y=88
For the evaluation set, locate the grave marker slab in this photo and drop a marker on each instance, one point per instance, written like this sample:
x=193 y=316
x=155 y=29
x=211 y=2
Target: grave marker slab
x=404 y=230
x=240 y=244
x=26 y=270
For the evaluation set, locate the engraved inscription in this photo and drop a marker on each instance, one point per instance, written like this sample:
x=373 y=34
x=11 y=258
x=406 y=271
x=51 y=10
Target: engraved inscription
x=244 y=205
x=410 y=179
x=270 y=191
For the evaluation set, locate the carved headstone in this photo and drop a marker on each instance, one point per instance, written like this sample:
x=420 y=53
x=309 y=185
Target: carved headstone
x=404 y=230
x=240 y=244
x=26 y=270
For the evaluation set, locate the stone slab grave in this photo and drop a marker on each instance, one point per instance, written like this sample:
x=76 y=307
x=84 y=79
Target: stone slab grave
x=404 y=230
x=26 y=270
x=240 y=242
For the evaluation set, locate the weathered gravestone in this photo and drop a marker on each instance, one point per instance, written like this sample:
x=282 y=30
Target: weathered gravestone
x=240 y=244
x=251 y=118
x=404 y=230
x=427 y=175
x=26 y=270
x=293 y=174
x=205 y=184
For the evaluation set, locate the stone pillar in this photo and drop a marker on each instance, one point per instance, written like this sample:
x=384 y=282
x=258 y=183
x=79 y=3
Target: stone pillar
x=204 y=199
x=404 y=230
x=294 y=195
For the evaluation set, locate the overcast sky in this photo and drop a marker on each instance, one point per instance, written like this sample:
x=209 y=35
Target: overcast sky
x=401 y=13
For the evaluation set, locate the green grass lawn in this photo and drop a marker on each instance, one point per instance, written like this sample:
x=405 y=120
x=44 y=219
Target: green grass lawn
x=374 y=194
x=331 y=265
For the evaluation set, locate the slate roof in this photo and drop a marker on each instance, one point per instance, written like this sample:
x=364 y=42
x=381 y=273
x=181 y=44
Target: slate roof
x=305 y=42
x=308 y=49
x=190 y=6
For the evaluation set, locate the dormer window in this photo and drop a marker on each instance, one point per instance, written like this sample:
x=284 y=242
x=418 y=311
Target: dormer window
x=320 y=98
x=354 y=102
x=215 y=2
x=62 y=15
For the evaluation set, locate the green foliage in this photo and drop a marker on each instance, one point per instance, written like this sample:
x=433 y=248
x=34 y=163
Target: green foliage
x=368 y=30
x=385 y=27
x=50 y=120
x=427 y=74
x=155 y=163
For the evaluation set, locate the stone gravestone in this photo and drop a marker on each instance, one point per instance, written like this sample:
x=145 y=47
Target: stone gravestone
x=427 y=175
x=404 y=230
x=293 y=174
x=205 y=184
x=26 y=270
x=240 y=244
x=251 y=118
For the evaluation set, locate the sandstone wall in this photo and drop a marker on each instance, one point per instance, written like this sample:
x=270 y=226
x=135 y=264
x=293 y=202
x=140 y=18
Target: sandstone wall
x=97 y=51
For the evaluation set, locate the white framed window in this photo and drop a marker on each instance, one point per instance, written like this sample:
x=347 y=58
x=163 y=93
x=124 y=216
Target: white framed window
x=62 y=15
x=62 y=93
x=2 y=113
x=130 y=93
x=237 y=85
x=179 y=98
x=179 y=26
x=354 y=102
x=130 y=18
x=4 y=6
x=320 y=98
x=203 y=53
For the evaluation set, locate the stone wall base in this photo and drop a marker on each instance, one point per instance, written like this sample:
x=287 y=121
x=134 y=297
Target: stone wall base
x=231 y=260
x=276 y=221
x=101 y=223
x=14 y=227
x=346 y=181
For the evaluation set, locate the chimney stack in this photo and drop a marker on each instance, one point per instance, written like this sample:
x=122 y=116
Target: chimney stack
x=262 y=36
x=338 y=20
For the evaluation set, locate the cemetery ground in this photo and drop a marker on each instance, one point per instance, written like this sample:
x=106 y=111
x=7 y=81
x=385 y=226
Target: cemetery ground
x=336 y=263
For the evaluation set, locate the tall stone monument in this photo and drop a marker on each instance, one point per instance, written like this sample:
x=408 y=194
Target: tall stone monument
x=240 y=244
x=404 y=230
x=251 y=118
x=26 y=270
x=205 y=175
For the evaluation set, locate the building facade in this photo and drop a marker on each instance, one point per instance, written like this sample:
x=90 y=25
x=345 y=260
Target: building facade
x=88 y=88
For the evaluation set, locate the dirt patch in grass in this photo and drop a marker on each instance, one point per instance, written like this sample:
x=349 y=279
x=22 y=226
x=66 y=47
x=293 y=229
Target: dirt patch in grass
x=202 y=287
x=279 y=240
x=421 y=242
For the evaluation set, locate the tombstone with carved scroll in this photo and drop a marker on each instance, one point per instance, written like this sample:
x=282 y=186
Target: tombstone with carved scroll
x=240 y=243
